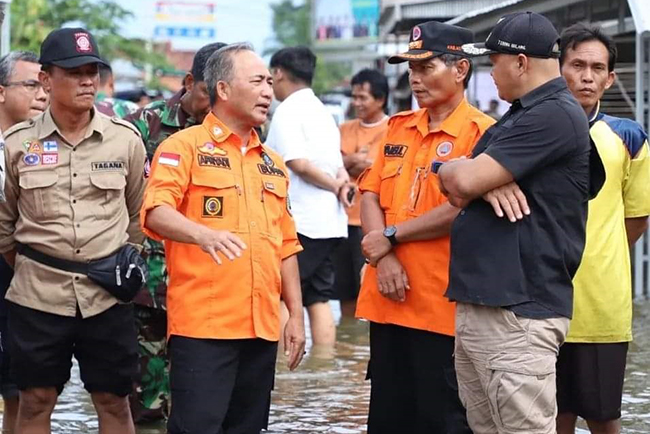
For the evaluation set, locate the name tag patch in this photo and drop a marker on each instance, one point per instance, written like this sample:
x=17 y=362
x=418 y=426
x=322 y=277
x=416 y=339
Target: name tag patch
x=394 y=150
x=212 y=207
x=268 y=170
x=209 y=160
x=107 y=165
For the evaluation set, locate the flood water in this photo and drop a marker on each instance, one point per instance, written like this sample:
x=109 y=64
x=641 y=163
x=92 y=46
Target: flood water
x=328 y=394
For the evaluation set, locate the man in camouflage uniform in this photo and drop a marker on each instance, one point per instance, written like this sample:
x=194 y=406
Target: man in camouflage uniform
x=104 y=100
x=157 y=121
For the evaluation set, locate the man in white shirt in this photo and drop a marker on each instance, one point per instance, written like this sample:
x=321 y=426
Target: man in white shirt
x=304 y=133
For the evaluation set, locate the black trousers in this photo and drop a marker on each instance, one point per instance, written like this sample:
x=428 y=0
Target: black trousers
x=220 y=386
x=413 y=383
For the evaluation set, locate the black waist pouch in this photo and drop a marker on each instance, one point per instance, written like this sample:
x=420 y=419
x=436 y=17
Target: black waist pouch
x=122 y=273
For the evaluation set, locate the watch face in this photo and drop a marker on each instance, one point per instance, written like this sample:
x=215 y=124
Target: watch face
x=390 y=231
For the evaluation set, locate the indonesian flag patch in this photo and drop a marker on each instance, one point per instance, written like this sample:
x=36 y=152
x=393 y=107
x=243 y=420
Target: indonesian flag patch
x=169 y=159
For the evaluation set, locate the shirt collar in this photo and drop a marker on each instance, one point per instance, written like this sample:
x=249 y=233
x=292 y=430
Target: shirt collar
x=299 y=93
x=174 y=115
x=596 y=115
x=451 y=125
x=220 y=132
x=48 y=126
x=542 y=92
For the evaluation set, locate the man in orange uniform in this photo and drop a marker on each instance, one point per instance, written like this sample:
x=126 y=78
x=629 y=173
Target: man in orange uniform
x=215 y=191
x=361 y=140
x=406 y=220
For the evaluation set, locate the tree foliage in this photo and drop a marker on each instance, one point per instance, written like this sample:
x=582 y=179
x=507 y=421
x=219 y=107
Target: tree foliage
x=32 y=20
x=291 y=26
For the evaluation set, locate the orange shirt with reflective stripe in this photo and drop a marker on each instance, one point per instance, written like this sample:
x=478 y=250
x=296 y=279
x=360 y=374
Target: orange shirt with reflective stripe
x=401 y=175
x=357 y=137
x=201 y=172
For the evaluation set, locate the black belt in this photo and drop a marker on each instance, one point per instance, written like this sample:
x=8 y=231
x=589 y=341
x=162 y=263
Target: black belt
x=51 y=261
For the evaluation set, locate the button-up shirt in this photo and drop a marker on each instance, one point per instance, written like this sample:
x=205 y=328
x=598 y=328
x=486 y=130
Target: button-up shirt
x=201 y=173
x=76 y=202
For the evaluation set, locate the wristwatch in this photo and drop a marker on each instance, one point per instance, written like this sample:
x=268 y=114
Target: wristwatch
x=389 y=233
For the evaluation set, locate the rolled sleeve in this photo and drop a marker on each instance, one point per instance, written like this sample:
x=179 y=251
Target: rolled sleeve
x=168 y=181
x=636 y=190
x=290 y=243
x=370 y=179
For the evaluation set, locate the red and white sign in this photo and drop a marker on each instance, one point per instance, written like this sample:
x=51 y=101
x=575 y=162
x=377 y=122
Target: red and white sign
x=83 y=42
x=169 y=159
x=50 y=158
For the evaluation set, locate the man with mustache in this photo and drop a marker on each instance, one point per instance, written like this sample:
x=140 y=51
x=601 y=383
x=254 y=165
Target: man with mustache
x=406 y=221
x=74 y=186
x=156 y=122
x=21 y=97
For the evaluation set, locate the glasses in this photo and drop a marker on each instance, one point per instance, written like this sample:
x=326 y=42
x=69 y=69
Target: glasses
x=31 y=85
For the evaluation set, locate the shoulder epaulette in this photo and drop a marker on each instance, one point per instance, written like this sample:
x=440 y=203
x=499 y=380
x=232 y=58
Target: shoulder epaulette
x=18 y=127
x=124 y=123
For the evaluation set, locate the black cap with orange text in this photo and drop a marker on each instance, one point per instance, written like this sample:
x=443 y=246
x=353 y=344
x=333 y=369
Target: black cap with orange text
x=432 y=39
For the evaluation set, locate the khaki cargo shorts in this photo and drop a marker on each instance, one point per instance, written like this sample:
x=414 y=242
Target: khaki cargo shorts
x=506 y=369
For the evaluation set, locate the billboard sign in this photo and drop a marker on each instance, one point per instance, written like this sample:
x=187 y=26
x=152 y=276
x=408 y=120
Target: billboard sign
x=345 y=20
x=178 y=19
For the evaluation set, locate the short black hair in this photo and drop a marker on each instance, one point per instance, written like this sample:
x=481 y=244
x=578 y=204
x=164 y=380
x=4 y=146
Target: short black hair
x=105 y=72
x=376 y=80
x=299 y=62
x=201 y=58
x=578 y=33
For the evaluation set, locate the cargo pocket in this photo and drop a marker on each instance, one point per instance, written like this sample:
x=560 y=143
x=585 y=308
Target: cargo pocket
x=39 y=198
x=389 y=176
x=273 y=197
x=109 y=187
x=521 y=391
x=214 y=199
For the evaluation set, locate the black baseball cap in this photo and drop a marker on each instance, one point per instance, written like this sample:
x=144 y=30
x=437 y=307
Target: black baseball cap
x=432 y=39
x=69 y=48
x=520 y=33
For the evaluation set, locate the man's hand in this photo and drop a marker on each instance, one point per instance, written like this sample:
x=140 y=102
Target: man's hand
x=344 y=190
x=509 y=200
x=228 y=244
x=375 y=246
x=294 y=340
x=392 y=281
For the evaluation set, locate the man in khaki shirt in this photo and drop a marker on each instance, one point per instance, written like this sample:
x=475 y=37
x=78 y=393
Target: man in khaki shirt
x=74 y=186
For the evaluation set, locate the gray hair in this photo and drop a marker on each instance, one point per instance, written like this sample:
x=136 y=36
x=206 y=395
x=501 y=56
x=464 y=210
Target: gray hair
x=220 y=67
x=451 y=59
x=8 y=63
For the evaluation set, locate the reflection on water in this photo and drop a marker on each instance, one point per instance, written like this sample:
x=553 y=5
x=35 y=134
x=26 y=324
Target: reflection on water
x=328 y=393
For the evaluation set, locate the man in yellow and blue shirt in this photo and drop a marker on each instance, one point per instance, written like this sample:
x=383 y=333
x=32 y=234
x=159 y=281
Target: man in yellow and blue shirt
x=591 y=365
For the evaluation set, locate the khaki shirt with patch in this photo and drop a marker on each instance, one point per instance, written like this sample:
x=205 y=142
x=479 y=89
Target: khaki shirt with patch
x=73 y=202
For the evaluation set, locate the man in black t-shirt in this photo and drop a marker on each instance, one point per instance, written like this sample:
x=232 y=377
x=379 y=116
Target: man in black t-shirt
x=511 y=277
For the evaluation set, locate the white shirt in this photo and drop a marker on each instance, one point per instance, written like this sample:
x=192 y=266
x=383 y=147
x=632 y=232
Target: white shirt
x=303 y=128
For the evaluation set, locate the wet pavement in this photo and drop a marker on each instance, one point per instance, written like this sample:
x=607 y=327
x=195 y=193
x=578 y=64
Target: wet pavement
x=328 y=394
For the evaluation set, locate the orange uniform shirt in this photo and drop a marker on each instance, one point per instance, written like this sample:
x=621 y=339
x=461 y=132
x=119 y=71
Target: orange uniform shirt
x=407 y=188
x=357 y=137
x=201 y=172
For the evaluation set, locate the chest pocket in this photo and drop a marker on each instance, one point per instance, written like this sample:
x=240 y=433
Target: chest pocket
x=215 y=200
x=274 y=197
x=39 y=198
x=389 y=176
x=107 y=196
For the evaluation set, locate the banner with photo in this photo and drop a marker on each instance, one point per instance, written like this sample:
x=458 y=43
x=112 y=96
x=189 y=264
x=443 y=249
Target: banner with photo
x=345 y=20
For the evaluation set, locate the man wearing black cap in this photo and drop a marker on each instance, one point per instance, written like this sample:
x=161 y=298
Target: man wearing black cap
x=74 y=190
x=406 y=220
x=512 y=277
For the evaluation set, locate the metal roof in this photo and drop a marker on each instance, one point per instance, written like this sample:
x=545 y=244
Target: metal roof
x=641 y=13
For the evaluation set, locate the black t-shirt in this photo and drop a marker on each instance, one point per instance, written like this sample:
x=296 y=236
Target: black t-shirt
x=528 y=266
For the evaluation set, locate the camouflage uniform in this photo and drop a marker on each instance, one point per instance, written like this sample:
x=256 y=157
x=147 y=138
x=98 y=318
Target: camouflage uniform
x=114 y=106
x=150 y=400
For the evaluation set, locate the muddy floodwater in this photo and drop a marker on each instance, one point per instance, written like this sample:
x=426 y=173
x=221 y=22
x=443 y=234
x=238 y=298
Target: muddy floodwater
x=328 y=394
